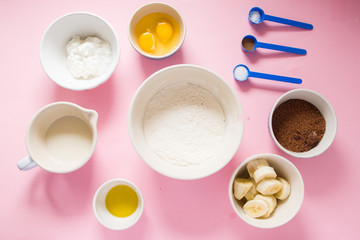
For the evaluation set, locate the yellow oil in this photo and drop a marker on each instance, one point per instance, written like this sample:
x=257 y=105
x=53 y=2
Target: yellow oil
x=121 y=201
x=164 y=29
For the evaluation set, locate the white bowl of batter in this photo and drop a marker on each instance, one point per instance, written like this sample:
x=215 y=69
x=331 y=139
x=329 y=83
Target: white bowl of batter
x=185 y=122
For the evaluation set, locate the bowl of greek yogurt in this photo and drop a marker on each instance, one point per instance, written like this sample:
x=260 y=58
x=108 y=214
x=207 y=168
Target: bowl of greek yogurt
x=79 y=51
x=185 y=122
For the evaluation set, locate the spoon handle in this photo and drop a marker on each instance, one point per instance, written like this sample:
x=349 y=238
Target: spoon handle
x=281 y=48
x=275 y=77
x=288 y=22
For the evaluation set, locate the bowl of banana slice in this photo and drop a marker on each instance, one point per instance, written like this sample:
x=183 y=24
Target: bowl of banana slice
x=266 y=190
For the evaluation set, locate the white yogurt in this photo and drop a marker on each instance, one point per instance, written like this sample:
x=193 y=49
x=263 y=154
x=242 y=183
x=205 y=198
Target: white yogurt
x=88 y=58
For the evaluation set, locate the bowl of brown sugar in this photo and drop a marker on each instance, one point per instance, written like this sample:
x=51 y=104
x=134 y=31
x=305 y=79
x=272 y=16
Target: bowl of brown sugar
x=302 y=123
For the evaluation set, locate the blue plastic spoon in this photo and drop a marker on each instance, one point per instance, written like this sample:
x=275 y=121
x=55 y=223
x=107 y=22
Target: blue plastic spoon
x=241 y=73
x=250 y=43
x=257 y=15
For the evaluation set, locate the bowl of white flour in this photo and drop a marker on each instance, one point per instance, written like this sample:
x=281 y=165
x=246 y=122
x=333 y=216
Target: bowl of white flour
x=79 y=51
x=185 y=122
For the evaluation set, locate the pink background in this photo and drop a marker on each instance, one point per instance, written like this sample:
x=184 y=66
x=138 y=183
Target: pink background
x=40 y=205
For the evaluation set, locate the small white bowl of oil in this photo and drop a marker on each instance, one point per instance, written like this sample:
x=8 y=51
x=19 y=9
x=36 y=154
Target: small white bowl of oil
x=118 y=204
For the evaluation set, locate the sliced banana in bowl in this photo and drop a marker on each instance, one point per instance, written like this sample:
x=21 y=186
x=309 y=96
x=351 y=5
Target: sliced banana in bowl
x=256 y=208
x=266 y=190
x=241 y=187
x=269 y=186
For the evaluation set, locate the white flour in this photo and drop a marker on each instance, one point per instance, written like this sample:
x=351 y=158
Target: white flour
x=184 y=124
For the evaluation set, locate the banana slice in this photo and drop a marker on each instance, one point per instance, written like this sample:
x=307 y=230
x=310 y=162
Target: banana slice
x=255 y=165
x=250 y=195
x=270 y=201
x=285 y=191
x=264 y=172
x=256 y=208
x=269 y=186
x=241 y=187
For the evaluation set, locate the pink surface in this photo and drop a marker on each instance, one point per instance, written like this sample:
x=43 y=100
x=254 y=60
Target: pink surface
x=40 y=205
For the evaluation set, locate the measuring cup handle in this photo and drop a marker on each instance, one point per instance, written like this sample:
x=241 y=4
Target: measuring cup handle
x=288 y=22
x=282 y=48
x=26 y=164
x=275 y=77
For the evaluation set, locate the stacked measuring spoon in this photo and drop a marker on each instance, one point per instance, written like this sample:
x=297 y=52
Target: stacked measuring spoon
x=250 y=43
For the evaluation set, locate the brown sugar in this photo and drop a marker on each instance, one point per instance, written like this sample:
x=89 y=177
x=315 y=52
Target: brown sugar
x=248 y=44
x=298 y=125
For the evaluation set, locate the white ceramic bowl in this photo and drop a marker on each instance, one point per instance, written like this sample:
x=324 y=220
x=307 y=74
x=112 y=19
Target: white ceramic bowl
x=154 y=8
x=326 y=110
x=105 y=217
x=218 y=88
x=53 y=53
x=285 y=209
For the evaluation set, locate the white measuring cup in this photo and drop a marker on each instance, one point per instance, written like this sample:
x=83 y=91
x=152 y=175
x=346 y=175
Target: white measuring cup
x=61 y=138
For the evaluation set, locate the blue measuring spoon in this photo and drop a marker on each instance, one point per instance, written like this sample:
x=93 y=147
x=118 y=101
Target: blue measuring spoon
x=241 y=73
x=257 y=15
x=250 y=43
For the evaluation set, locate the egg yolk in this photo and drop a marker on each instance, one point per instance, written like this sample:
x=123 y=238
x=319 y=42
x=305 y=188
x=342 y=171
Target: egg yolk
x=164 y=30
x=147 y=42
